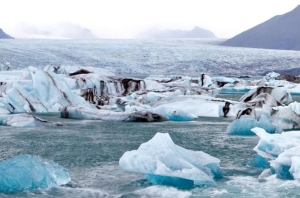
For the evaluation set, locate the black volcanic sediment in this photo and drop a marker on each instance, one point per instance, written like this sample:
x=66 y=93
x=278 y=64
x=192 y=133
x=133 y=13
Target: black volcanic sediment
x=279 y=32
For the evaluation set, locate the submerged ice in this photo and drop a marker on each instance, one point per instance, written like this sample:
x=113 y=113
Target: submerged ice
x=163 y=162
x=26 y=172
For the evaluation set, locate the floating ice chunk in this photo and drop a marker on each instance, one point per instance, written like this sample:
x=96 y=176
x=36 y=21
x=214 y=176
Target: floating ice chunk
x=294 y=90
x=295 y=106
x=163 y=162
x=188 y=108
x=271 y=76
x=271 y=145
x=259 y=162
x=26 y=172
x=47 y=93
x=174 y=113
x=24 y=120
x=282 y=151
x=285 y=117
x=234 y=90
x=279 y=93
x=282 y=164
x=153 y=97
x=264 y=99
x=245 y=123
x=79 y=112
x=153 y=85
x=295 y=167
x=223 y=79
x=205 y=81
x=242 y=126
x=5 y=66
x=14 y=75
x=163 y=78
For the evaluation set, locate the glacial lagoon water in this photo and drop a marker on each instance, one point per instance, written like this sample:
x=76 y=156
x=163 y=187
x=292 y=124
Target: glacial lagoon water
x=90 y=150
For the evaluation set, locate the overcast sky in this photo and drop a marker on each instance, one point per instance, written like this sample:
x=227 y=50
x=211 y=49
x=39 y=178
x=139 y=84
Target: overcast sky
x=125 y=18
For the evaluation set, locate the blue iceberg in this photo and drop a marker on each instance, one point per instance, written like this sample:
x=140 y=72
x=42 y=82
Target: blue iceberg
x=244 y=125
x=259 y=162
x=26 y=172
x=281 y=151
x=165 y=163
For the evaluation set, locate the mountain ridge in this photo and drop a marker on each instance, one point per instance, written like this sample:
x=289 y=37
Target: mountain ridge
x=279 y=32
x=3 y=35
x=196 y=32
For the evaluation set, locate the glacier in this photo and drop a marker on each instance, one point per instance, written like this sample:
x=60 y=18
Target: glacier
x=27 y=172
x=165 y=163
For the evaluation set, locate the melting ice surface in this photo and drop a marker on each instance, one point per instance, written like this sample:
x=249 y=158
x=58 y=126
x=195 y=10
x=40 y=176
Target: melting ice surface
x=26 y=172
x=163 y=162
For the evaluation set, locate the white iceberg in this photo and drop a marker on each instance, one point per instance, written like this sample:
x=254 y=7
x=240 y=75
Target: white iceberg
x=282 y=151
x=25 y=120
x=26 y=172
x=285 y=117
x=47 y=94
x=163 y=162
x=80 y=112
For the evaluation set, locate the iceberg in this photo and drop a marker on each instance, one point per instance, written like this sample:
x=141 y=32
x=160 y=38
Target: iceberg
x=165 y=163
x=281 y=166
x=245 y=123
x=47 y=93
x=264 y=99
x=279 y=93
x=295 y=167
x=189 y=107
x=285 y=117
x=25 y=120
x=26 y=172
x=281 y=151
x=80 y=112
x=259 y=162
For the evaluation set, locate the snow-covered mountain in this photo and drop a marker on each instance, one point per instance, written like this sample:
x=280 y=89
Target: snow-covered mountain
x=279 y=32
x=196 y=32
x=58 y=31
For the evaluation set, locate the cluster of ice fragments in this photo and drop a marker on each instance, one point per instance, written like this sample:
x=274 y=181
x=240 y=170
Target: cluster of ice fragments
x=93 y=93
x=96 y=94
x=26 y=172
x=279 y=152
x=166 y=163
